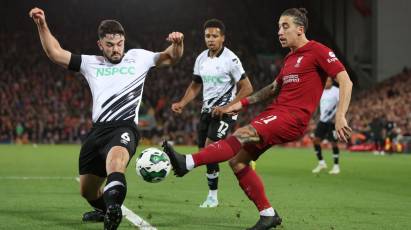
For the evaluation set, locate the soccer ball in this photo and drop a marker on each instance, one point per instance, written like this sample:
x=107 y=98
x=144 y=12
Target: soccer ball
x=153 y=165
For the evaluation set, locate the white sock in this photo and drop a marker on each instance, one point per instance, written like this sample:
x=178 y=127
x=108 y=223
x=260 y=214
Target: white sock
x=189 y=162
x=267 y=212
x=321 y=162
x=213 y=193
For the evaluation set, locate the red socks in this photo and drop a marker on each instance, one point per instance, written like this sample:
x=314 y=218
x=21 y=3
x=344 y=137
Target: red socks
x=219 y=151
x=253 y=187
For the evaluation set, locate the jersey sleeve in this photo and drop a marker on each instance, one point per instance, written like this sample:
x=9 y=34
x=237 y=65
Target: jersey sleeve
x=279 y=78
x=85 y=64
x=237 y=69
x=328 y=62
x=148 y=57
x=196 y=71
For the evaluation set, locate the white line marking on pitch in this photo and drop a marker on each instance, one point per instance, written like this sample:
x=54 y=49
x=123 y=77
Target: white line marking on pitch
x=36 y=178
x=135 y=219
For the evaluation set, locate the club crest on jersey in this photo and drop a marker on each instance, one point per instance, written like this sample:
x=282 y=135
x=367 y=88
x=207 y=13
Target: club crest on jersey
x=299 y=59
x=332 y=58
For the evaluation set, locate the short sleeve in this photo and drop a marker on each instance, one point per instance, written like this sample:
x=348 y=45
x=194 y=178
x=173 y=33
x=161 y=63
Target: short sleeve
x=148 y=57
x=328 y=62
x=279 y=77
x=85 y=63
x=196 y=70
x=237 y=70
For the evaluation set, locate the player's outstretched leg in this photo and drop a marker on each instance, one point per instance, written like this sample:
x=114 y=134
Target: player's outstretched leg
x=178 y=161
x=216 y=152
x=114 y=195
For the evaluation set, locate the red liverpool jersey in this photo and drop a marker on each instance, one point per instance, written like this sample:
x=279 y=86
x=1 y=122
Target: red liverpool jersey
x=302 y=79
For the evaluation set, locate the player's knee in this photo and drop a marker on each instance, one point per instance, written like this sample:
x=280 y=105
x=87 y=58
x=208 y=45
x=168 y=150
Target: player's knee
x=117 y=159
x=118 y=151
x=247 y=134
x=241 y=132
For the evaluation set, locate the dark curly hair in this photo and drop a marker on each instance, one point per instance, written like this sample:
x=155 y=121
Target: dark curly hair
x=299 y=15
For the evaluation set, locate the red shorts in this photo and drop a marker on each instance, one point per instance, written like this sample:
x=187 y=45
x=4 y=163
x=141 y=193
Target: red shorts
x=274 y=127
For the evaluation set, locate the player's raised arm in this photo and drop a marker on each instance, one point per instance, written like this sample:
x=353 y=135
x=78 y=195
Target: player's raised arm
x=174 y=52
x=50 y=44
x=191 y=92
x=341 y=125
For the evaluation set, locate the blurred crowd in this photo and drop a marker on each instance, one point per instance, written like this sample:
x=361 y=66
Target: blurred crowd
x=381 y=116
x=43 y=103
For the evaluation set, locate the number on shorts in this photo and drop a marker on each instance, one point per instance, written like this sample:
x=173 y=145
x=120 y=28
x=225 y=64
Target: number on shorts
x=223 y=128
x=268 y=119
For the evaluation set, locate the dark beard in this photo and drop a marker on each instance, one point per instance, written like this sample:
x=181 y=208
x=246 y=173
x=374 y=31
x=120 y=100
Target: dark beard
x=113 y=61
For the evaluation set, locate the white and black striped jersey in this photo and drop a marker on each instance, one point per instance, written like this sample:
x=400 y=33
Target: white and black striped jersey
x=328 y=104
x=116 y=88
x=219 y=76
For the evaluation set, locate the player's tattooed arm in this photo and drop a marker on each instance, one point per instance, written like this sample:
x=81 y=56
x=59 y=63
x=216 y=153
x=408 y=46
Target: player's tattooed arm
x=271 y=90
x=247 y=134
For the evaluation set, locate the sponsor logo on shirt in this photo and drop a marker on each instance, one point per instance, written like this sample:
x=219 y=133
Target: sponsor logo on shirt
x=292 y=78
x=209 y=79
x=110 y=71
x=332 y=58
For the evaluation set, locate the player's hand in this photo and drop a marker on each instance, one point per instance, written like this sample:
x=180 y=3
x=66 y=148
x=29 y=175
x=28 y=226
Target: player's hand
x=175 y=37
x=228 y=109
x=38 y=16
x=177 y=107
x=342 y=128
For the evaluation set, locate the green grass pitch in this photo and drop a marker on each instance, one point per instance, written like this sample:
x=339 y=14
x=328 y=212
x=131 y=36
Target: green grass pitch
x=372 y=192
